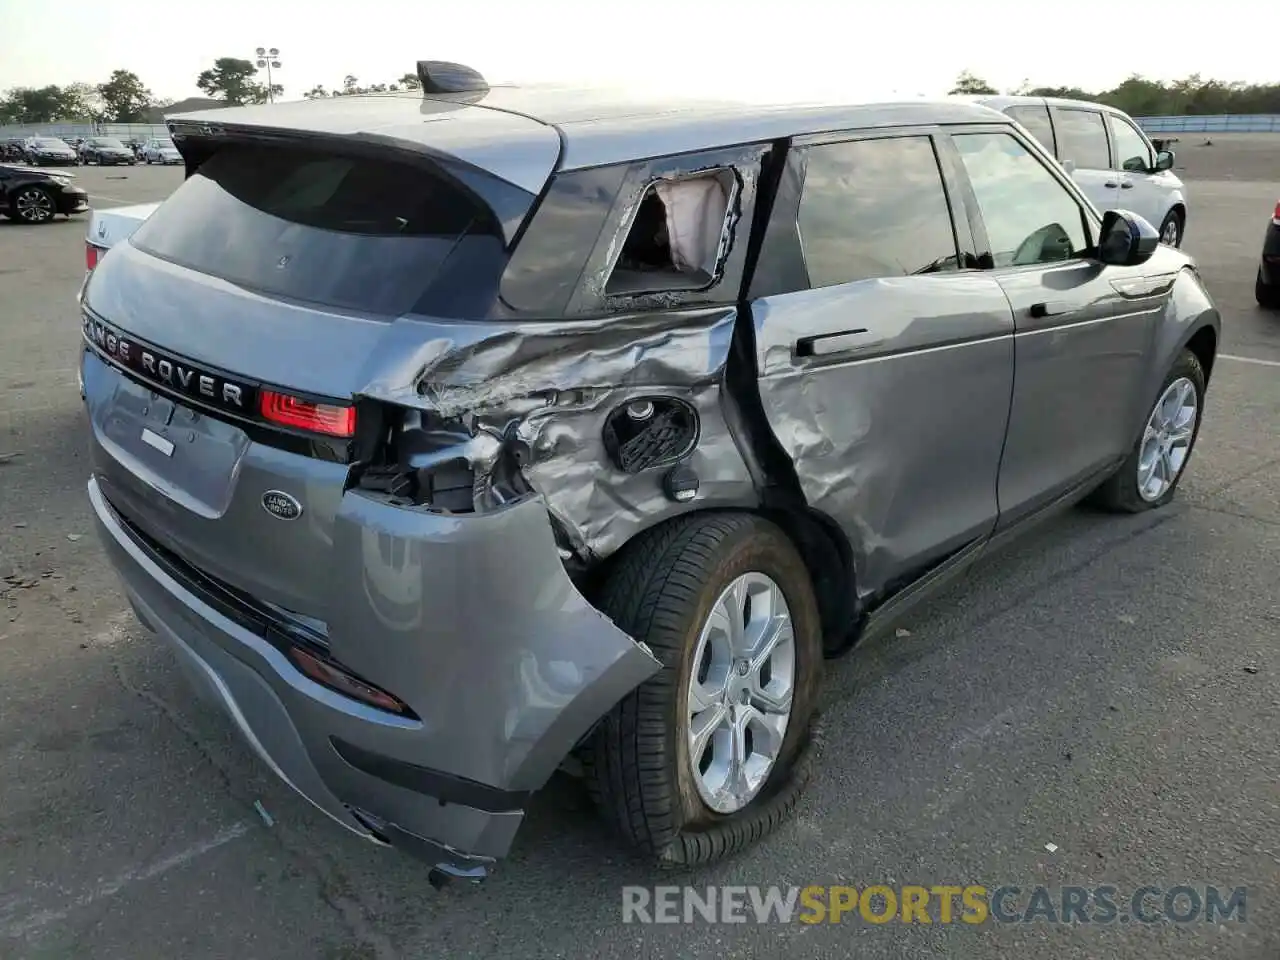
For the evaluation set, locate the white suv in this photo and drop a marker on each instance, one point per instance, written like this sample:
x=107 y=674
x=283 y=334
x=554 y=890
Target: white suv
x=1107 y=155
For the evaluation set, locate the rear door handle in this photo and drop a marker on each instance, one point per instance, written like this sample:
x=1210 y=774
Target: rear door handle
x=1053 y=308
x=1127 y=185
x=825 y=343
x=1111 y=184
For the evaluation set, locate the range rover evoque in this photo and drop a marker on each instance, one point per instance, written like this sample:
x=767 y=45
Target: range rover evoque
x=454 y=437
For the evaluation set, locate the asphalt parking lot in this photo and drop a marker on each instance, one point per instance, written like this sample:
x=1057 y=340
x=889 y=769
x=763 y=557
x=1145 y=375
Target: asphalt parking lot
x=1108 y=687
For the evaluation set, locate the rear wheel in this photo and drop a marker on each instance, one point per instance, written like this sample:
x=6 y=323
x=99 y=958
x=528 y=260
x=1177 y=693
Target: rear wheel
x=708 y=755
x=1150 y=474
x=1267 y=295
x=32 y=205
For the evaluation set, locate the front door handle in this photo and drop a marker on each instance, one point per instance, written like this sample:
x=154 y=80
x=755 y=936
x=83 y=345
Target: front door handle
x=1127 y=185
x=1111 y=184
x=1053 y=308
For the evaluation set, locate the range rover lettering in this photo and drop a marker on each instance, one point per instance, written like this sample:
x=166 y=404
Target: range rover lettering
x=560 y=431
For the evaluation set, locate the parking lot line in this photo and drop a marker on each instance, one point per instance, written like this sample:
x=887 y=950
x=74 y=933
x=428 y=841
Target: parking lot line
x=1259 y=362
x=25 y=926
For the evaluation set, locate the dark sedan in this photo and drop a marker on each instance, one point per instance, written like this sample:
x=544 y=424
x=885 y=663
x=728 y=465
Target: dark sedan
x=49 y=152
x=1267 y=287
x=105 y=151
x=34 y=196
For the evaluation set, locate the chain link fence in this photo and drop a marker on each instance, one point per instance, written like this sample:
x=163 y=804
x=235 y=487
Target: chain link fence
x=122 y=131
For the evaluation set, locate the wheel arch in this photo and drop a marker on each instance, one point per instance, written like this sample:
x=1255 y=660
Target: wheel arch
x=826 y=552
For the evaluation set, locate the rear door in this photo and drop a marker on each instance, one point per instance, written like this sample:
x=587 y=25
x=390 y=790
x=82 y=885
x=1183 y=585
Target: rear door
x=1080 y=345
x=1083 y=143
x=885 y=368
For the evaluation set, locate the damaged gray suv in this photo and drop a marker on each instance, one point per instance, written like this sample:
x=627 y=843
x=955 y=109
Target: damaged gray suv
x=455 y=437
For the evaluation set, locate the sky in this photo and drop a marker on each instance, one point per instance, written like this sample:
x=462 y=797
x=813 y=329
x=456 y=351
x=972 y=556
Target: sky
x=749 y=50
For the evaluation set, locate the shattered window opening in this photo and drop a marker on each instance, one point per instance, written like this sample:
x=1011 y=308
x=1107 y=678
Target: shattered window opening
x=676 y=240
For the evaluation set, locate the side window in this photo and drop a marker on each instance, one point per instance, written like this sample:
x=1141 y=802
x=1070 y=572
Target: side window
x=1036 y=119
x=874 y=208
x=678 y=236
x=1082 y=138
x=1132 y=150
x=1030 y=217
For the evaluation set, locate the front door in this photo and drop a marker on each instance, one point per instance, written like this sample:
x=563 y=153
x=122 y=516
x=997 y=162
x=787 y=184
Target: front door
x=885 y=371
x=1080 y=347
x=1082 y=143
x=1140 y=185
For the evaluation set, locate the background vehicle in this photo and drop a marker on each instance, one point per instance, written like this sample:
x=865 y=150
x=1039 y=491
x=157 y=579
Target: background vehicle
x=49 y=152
x=1108 y=155
x=717 y=464
x=106 y=151
x=160 y=150
x=109 y=226
x=33 y=196
x=1266 y=288
x=13 y=150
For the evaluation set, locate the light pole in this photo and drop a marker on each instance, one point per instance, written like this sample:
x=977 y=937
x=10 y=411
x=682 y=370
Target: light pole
x=269 y=58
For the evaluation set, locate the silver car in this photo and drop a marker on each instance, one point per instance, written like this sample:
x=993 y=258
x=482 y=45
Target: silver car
x=456 y=437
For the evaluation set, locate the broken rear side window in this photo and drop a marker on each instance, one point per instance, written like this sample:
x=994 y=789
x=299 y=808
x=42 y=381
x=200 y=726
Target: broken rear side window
x=677 y=238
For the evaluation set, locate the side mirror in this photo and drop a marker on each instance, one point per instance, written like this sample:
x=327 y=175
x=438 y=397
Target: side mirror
x=1127 y=239
x=1164 y=160
x=1069 y=166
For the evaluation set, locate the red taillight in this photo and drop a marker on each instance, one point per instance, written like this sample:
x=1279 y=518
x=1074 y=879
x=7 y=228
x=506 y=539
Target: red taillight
x=329 y=674
x=1275 y=215
x=92 y=254
x=303 y=414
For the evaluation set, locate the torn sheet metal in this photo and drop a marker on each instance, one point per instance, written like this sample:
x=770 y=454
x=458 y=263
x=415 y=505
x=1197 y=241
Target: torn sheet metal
x=541 y=393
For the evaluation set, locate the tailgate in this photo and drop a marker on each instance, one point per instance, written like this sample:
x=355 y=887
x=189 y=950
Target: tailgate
x=229 y=339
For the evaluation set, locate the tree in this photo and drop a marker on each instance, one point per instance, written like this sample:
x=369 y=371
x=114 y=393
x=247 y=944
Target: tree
x=968 y=83
x=410 y=82
x=318 y=92
x=30 y=105
x=232 y=80
x=124 y=98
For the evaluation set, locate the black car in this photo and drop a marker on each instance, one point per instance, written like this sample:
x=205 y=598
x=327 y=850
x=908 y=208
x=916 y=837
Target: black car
x=34 y=196
x=50 y=152
x=1267 y=287
x=105 y=151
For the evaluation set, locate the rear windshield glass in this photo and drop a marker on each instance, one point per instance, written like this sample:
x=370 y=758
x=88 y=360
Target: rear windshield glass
x=50 y=143
x=116 y=144
x=356 y=234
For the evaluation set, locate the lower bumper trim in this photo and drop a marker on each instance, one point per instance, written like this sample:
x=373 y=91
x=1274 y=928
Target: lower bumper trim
x=442 y=786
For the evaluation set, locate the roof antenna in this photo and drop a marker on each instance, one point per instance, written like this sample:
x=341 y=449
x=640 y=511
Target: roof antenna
x=441 y=76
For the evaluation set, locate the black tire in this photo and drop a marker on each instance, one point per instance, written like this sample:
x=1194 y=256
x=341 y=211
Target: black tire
x=1173 y=216
x=1120 y=492
x=14 y=213
x=1267 y=295
x=660 y=589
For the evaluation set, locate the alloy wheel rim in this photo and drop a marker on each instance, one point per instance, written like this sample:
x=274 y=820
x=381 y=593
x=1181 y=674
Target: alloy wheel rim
x=740 y=688
x=34 y=205
x=1171 y=232
x=1166 y=441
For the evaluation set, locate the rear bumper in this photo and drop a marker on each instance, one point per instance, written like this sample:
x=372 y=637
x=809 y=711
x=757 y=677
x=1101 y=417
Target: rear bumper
x=505 y=677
